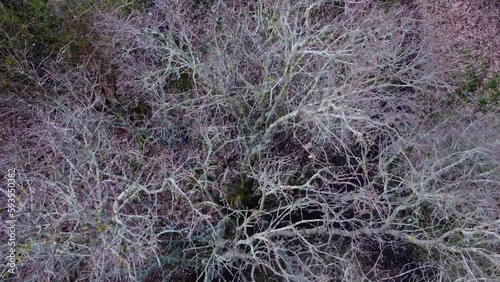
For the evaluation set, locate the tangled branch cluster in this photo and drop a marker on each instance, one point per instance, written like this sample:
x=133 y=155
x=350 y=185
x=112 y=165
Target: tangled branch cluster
x=260 y=141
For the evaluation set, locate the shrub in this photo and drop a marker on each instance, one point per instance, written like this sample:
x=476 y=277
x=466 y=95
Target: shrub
x=256 y=141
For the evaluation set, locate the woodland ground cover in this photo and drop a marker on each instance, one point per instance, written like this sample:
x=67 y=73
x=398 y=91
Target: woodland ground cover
x=251 y=141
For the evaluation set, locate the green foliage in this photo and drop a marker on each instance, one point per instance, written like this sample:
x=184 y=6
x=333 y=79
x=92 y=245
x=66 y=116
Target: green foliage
x=139 y=111
x=472 y=79
x=476 y=89
x=39 y=29
x=142 y=137
x=42 y=28
x=241 y=194
x=182 y=83
x=489 y=98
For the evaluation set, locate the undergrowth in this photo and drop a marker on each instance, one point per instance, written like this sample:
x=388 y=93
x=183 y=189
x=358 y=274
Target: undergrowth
x=243 y=141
